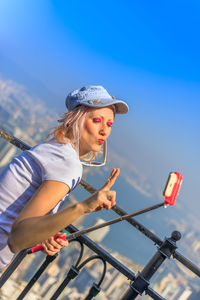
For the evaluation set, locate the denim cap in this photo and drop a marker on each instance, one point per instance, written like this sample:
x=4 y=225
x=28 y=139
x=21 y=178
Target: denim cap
x=94 y=96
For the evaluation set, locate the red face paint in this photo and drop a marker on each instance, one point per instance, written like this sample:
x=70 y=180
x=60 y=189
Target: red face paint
x=109 y=124
x=96 y=120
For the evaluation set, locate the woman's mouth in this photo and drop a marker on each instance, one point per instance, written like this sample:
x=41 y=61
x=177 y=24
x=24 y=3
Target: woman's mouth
x=101 y=141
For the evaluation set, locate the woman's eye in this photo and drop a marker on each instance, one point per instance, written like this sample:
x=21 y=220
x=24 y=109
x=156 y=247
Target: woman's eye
x=109 y=124
x=96 y=120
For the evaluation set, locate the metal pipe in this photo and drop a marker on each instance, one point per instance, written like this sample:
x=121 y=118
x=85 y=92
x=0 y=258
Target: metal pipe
x=12 y=267
x=124 y=217
x=36 y=276
x=141 y=282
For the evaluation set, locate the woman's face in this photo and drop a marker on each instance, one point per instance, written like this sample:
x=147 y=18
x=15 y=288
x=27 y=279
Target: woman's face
x=96 y=129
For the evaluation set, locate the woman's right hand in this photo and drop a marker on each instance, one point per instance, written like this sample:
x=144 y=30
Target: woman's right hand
x=53 y=246
x=104 y=197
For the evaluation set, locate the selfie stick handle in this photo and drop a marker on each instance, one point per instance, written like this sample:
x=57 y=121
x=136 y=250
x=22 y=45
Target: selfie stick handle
x=40 y=247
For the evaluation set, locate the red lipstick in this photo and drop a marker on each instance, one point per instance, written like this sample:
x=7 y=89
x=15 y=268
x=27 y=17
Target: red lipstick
x=101 y=141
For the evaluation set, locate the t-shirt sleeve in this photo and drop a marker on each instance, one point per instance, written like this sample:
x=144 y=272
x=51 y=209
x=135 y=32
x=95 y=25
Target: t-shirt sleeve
x=57 y=162
x=67 y=171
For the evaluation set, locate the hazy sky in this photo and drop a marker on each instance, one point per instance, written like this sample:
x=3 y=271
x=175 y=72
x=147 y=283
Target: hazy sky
x=145 y=52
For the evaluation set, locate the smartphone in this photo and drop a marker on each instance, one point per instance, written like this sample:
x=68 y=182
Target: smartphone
x=172 y=187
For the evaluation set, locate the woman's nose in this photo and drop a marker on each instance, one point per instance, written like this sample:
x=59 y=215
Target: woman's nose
x=104 y=130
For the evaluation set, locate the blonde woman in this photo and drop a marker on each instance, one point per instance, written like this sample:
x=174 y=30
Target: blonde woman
x=35 y=184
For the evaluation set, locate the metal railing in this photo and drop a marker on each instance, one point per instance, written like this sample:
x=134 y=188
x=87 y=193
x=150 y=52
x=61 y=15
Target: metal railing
x=139 y=283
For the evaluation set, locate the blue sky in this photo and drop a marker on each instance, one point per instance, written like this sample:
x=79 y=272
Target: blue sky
x=145 y=52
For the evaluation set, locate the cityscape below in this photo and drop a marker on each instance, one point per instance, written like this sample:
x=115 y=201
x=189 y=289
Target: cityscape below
x=30 y=120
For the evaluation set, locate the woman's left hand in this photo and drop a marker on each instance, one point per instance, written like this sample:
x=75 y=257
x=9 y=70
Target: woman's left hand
x=52 y=246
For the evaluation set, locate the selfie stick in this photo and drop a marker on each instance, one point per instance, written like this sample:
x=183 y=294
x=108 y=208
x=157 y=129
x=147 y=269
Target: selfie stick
x=92 y=228
x=170 y=192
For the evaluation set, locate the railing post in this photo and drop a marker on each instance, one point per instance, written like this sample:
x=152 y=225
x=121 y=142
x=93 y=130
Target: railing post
x=49 y=259
x=141 y=282
x=12 y=267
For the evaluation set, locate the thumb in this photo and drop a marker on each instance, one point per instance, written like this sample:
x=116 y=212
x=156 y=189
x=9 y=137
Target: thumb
x=60 y=234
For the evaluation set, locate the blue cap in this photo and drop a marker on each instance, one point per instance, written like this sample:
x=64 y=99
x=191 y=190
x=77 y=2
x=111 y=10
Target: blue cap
x=94 y=96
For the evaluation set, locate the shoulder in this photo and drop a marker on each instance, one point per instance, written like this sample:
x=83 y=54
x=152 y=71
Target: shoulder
x=58 y=162
x=53 y=152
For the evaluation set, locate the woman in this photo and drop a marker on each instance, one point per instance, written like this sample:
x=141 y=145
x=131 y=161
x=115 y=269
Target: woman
x=36 y=182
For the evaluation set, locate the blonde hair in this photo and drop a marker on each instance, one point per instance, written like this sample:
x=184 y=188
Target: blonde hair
x=70 y=129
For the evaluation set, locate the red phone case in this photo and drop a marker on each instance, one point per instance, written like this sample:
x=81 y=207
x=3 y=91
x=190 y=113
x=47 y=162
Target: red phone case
x=174 y=188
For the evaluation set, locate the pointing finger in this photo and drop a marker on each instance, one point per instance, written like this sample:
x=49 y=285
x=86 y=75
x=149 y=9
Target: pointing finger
x=111 y=179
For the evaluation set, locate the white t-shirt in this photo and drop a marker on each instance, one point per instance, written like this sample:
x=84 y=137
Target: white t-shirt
x=22 y=177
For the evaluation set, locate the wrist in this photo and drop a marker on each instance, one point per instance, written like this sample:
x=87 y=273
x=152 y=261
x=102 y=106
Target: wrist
x=87 y=206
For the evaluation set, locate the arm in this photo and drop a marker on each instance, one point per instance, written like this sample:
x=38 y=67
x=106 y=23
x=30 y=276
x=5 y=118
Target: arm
x=34 y=224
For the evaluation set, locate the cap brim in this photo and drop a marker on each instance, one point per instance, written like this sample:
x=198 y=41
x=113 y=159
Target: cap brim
x=120 y=106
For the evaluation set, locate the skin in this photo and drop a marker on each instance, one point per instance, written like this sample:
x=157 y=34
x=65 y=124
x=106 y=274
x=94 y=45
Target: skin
x=35 y=225
x=98 y=125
